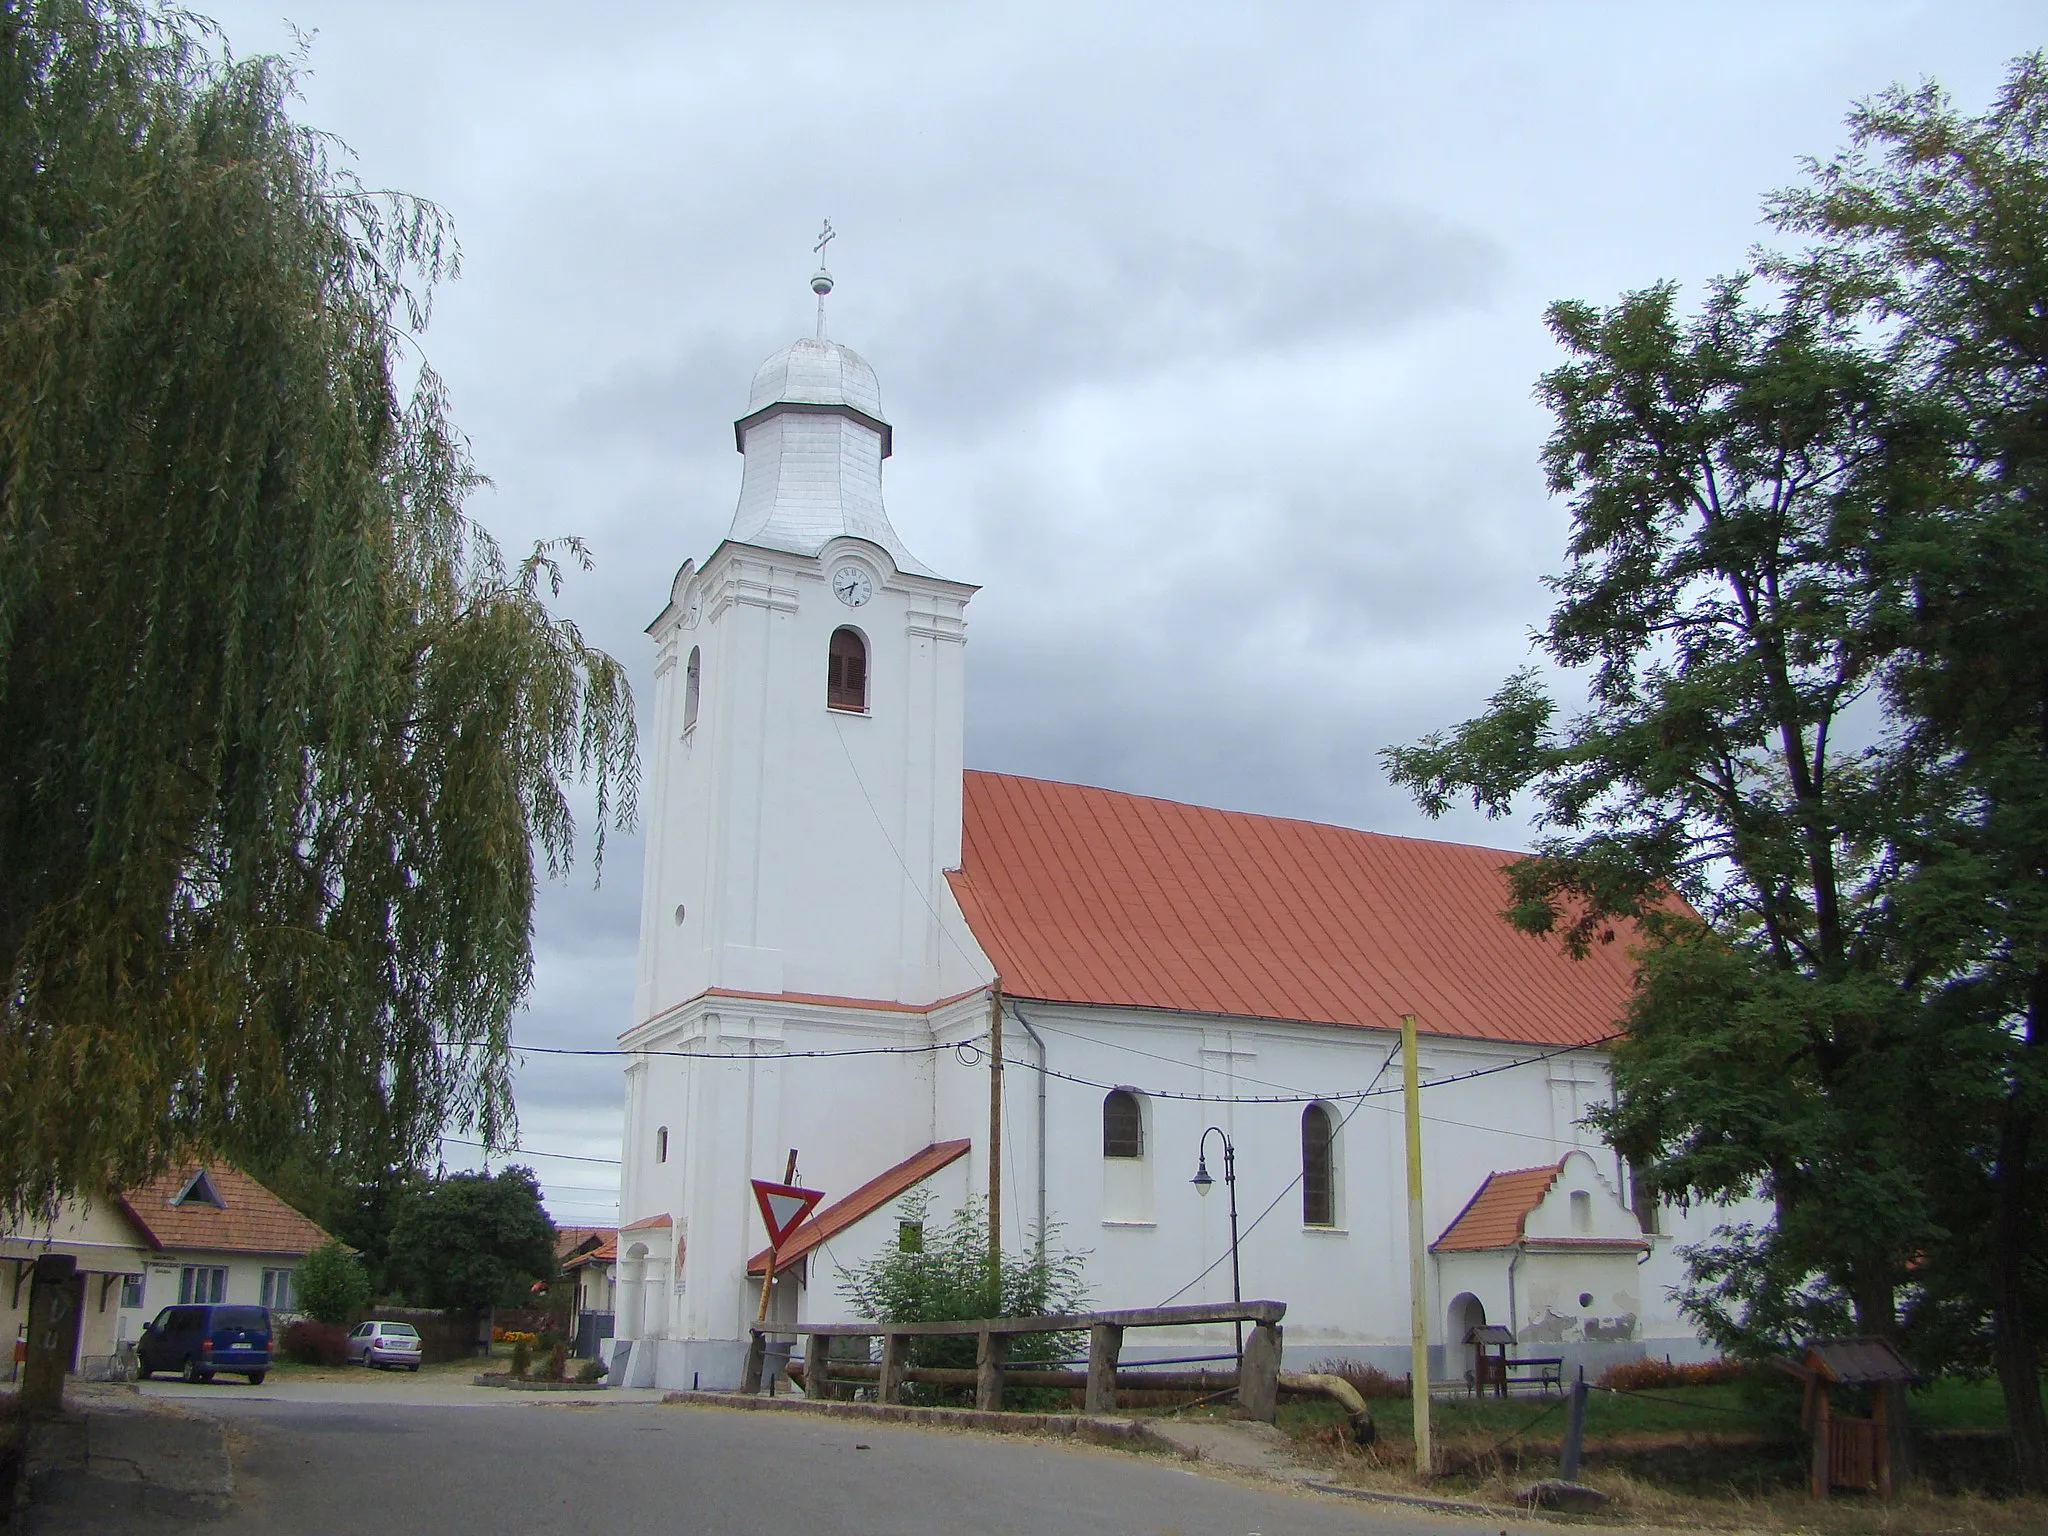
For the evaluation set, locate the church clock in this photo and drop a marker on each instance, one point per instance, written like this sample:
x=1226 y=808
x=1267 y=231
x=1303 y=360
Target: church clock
x=852 y=585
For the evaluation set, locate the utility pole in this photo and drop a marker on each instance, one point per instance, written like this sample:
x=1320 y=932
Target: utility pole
x=1418 y=1291
x=995 y=1147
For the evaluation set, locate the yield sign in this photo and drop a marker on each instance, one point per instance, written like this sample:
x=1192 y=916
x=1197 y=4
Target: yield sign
x=782 y=1207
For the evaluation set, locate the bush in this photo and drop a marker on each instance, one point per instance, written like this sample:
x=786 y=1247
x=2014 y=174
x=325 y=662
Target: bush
x=1647 y=1374
x=331 y=1284
x=1369 y=1381
x=522 y=1356
x=590 y=1371
x=943 y=1277
x=313 y=1343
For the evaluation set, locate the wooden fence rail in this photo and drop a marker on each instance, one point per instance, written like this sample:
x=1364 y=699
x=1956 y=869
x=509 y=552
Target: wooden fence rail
x=1258 y=1369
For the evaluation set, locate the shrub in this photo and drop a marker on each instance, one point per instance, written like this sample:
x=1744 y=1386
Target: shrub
x=313 y=1343
x=943 y=1277
x=331 y=1284
x=522 y=1356
x=590 y=1371
x=1369 y=1381
x=1648 y=1373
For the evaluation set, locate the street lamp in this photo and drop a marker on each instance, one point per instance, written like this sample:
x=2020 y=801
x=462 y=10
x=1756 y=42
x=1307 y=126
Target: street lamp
x=1202 y=1181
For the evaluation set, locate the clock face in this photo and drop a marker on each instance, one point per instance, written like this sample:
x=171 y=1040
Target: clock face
x=852 y=585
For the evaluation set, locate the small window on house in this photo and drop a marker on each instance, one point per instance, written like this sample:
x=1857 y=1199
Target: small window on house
x=661 y=1145
x=1123 y=1125
x=846 y=671
x=202 y=1283
x=1318 y=1168
x=693 y=682
x=279 y=1293
x=199 y=1188
x=131 y=1290
x=910 y=1236
x=1582 y=1211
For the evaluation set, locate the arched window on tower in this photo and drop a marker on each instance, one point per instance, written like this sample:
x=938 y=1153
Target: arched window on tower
x=693 y=682
x=846 y=672
x=1123 y=1125
x=1318 y=1168
x=661 y=1144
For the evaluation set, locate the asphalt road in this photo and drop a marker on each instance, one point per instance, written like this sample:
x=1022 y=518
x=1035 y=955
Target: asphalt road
x=311 y=1468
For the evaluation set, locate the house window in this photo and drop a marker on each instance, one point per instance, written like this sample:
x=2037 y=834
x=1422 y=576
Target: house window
x=1318 y=1168
x=200 y=1188
x=131 y=1290
x=661 y=1145
x=846 y=672
x=201 y=1283
x=1582 y=1211
x=278 y=1292
x=693 y=680
x=1123 y=1125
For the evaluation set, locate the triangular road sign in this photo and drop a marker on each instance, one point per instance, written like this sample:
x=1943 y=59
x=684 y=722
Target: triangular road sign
x=783 y=1206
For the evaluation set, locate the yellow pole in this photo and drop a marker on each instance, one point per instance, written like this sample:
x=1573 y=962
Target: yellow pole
x=995 y=1147
x=1418 y=1291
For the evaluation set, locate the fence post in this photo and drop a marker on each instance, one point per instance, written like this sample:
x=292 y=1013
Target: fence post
x=1105 y=1343
x=1574 y=1431
x=889 y=1384
x=990 y=1352
x=1258 y=1374
x=757 y=1350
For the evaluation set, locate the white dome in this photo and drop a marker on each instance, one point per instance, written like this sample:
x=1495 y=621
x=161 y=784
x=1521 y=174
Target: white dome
x=810 y=372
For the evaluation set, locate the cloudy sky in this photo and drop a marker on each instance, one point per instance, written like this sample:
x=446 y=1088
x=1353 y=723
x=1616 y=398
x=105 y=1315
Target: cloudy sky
x=1208 y=333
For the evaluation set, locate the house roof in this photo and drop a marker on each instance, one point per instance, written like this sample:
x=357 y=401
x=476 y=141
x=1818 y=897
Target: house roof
x=249 y=1219
x=835 y=1218
x=663 y=1220
x=605 y=1252
x=570 y=1241
x=1493 y=1217
x=1084 y=895
x=1857 y=1362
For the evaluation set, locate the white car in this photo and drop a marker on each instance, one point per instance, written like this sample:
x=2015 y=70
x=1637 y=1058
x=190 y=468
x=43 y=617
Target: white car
x=385 y=1344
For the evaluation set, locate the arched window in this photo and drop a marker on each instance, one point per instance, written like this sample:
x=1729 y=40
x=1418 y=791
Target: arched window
x=846 y=671
x=693 y=682
x=1318 y=1170
x=1123 y=1124
x=1582 y=1211
x=661 y=1145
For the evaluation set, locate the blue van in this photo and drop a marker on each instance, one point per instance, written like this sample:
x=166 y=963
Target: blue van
x=197 y=1341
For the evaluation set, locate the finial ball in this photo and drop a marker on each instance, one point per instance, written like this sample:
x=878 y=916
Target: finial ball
x=821 y=282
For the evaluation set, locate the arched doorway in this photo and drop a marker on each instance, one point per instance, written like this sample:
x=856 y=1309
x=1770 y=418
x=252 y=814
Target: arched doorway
x=632 y=1293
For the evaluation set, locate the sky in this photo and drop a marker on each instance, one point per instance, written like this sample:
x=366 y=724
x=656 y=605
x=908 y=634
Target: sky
x=1209 y=334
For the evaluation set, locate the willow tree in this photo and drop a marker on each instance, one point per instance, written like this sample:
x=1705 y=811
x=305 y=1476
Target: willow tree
x=283 y=737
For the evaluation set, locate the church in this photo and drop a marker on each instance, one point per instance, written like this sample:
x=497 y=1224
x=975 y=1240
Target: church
x=836 y=913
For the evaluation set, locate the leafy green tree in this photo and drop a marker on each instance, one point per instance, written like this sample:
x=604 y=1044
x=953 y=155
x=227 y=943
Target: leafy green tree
x=472 y=1240
x=1717 y=471
x=942 y=1275
x=1932 y=228
x=331 y=1284
x=282 y=734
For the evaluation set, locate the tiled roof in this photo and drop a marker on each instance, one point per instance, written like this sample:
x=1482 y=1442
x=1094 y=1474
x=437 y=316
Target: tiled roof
x=250 y=1218
x=663 y=1220
x=570 y=1240
x=1084 y=895
x=835 y=1218
x=1493 y=1217
x=604 y=1253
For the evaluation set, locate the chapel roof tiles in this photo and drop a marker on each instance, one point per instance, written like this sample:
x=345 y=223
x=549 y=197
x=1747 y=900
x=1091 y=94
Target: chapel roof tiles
x=1084 y=895
x=1493 y=1217
x=249 y=1219
x=829 y=1221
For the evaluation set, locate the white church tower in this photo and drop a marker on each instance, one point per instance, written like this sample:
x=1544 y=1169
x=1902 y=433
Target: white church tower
x=803 y=805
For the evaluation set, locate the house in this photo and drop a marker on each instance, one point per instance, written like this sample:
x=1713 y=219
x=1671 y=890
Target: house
x=589 y=1258
x=200 y=1232
x=837 y=916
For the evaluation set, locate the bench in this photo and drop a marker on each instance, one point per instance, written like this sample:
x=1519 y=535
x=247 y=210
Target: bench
x=1541 y=1371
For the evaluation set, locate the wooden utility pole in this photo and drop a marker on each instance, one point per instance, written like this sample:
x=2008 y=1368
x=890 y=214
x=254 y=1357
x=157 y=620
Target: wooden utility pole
x=1418 y=1288
x=995 y=1147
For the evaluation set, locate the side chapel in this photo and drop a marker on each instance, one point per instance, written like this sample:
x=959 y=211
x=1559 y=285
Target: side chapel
x=831 y=901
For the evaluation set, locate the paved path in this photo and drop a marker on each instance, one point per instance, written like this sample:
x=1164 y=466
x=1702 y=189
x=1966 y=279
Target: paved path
x=316 y=1467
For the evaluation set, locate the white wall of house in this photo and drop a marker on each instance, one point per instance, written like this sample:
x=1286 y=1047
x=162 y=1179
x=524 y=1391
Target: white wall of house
x=243 y=1278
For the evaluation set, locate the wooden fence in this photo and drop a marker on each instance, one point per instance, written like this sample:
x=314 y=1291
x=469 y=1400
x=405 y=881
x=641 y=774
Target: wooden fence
x=1258 y=1369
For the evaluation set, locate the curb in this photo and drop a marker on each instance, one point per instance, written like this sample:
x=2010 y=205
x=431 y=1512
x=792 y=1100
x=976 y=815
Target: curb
x=1093 y=1428
x=512 y=1384
x=1424 y=1501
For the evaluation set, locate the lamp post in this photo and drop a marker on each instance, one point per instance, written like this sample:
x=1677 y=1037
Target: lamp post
x=1202 y=1181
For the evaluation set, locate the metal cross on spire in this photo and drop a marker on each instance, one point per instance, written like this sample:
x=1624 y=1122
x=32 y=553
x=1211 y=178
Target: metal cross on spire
x=821 y=280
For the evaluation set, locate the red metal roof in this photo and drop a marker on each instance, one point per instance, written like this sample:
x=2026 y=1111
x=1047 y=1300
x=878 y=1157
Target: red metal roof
x=830 y=1220
x=1493 y=1217
x=249 y=1219
x=1084 y=895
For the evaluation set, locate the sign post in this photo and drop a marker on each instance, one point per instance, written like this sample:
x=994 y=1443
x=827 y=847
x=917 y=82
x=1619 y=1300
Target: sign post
x=783 y=1208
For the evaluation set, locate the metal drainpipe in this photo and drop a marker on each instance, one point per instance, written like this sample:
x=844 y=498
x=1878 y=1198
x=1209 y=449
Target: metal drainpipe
x=1520 y=1249
x=1040 y=1043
